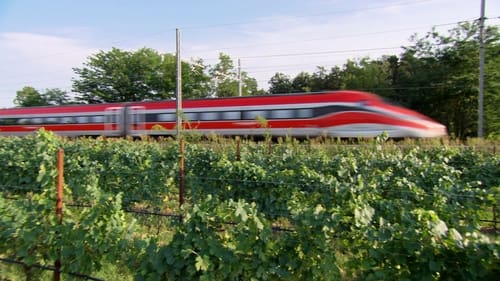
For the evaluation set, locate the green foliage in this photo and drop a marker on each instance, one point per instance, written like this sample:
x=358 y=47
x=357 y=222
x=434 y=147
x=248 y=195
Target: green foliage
x=301 y=82
x=284 y=211
x=225 y=82
x=28 y=96
x=231 y=240
x=56 y=96
x=321 y=80
x=280 y=83
x=119 y=76
x=31 y=232
x=145 y=171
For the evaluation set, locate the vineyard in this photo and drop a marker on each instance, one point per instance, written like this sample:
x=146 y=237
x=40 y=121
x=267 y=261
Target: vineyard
x=225 y=210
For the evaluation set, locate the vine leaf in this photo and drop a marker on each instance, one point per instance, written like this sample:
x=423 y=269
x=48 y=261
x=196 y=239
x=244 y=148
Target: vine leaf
x=241 y=212
x=439 y=228
x=202 y=263
x=363 y=216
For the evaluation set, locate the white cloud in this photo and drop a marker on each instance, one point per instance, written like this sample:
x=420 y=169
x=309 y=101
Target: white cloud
x=294 y=44
x=46 y=61
x=376 y=31
x=37 y=60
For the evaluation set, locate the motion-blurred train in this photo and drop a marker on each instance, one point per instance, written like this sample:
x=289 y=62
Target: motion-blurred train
x=348 y=114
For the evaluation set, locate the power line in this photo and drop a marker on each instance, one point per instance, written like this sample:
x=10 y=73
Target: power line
x=336 y=37
x=289 y=42
x=171 y=29
x=324 y=39
x=394 y=4
x=320 y=53
x=300 y=53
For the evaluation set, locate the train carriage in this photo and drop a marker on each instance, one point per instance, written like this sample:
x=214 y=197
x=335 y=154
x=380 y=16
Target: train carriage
x=336 y=113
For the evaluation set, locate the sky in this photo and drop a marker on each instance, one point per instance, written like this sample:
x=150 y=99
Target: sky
x=41 y=41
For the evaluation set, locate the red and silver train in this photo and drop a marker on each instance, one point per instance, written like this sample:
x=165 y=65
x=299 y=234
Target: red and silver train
x=338 y=113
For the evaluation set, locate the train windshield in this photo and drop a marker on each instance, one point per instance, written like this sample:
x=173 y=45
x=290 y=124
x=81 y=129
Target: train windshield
x=403 y=112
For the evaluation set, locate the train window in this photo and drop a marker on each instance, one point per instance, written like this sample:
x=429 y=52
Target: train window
x=67 y=120
x=51 y=120
x=166 y=117
x=151 y=117
x=82 y=119
x=282 y=114
x=252 y=114
x=8 y=121
x=230 y=115
x=97 y=119
x=36 y=120
x=111 y=118
x=191 y=116
x=23 y=121
x=135 y=118
x=209 y=116
x=304 y=113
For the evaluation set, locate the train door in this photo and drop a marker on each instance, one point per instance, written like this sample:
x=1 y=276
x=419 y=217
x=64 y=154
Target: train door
x=113 y=125
x=136 y=120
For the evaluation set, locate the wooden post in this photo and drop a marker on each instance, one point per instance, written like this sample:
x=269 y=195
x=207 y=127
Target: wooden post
x=59 y=205
x=238 y=155
x=495 y=218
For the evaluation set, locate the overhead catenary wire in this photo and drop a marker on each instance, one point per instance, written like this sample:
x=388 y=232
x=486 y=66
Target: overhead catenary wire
x=266 y=56
x=324 y=38
x=345 y=11
x=232 y=24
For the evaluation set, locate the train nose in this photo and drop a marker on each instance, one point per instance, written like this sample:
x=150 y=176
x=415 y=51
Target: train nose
x=438 y=130
x=431 y=129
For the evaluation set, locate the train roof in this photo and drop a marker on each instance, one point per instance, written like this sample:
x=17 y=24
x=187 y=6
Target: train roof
x=59 y=109
x=293 y=98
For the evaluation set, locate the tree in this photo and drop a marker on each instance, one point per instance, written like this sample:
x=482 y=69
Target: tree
x=302 y=82
x=492 y=87
x=28 y=96
x=323 y=81
x=225 y=79
x=56 y=97
x=366 y=74
x=120 y=76
x=195 y=81
x=280 y=83
x=441 y=73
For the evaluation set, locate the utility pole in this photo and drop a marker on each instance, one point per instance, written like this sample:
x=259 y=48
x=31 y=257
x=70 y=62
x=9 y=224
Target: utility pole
x=178 y=85
x=239 y=77
x=480 y=130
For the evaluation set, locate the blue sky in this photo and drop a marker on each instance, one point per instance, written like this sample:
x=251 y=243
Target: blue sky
x=41 y=41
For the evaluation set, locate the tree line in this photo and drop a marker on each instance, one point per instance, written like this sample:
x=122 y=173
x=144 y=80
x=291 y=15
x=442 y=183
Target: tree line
x=436 y=75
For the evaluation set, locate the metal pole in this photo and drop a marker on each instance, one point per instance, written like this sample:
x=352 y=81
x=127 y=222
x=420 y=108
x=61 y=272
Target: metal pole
x=480 y=130
x=239 y=78
x=178 y=85
x=181 y=173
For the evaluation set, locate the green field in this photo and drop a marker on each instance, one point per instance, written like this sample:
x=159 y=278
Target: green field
x=282 y=210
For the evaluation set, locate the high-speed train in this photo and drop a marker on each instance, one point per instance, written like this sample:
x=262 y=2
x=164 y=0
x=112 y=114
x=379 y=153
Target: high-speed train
x=348 y=114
